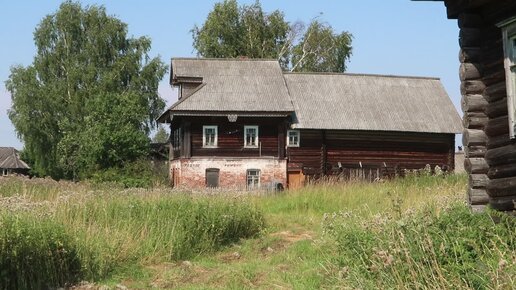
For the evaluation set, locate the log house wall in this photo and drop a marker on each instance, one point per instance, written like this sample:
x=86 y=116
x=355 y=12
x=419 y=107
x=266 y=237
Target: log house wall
x=490 y=153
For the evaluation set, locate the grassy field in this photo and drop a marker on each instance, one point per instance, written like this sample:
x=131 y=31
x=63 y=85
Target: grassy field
x=412 y=233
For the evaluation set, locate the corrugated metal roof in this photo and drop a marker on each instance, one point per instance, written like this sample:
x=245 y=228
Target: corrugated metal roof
x=233 y=85
x=371 y=102
x=9 y=159
x=319 y=100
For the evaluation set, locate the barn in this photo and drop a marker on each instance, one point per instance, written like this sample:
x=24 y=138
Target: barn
x=245 y=124
x=487 y=41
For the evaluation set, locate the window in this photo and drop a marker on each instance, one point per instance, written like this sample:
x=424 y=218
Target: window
x=509 y=40
x=253 y=178
x=209 y=136
x=293 y=138
x=176 y=141
x=251 y=136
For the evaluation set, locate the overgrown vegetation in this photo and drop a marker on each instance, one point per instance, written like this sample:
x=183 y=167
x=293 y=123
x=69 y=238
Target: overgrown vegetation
x=93 y=90
x=415 y=232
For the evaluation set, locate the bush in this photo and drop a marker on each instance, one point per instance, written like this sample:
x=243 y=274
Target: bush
x=134 y=174
x=36 y=254
x=451 y=249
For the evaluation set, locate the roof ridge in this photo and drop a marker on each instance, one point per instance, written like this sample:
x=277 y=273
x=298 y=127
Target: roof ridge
x=362 y=74
x=224 y=59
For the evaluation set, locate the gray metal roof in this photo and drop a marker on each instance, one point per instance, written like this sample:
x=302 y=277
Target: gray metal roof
x=9 y=159
x=245 y=85
x=371 y=102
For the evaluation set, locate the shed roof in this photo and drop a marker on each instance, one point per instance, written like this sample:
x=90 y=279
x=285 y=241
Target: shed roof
x=371 y=102
x=244 y=85
x=9 y=159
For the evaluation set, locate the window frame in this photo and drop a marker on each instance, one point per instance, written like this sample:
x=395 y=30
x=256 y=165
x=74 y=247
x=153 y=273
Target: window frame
x=253 y=178
x=257 y=136
x=509 y=47
x=216 y=139
x=298 y=138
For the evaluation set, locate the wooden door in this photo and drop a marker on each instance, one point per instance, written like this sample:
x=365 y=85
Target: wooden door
x=296 y=179
x=212 y=177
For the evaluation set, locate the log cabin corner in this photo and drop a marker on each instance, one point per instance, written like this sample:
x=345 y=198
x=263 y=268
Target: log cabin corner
x=487 y=41
x=244 y=124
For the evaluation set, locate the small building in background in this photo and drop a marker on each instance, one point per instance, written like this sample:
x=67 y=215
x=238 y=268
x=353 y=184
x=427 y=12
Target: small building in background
x=10 y=162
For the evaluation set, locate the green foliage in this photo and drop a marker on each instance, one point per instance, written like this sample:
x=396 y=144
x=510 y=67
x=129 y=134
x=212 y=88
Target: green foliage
x=133 y=174
x=161 y=136
x=450 y=249
x=36 y=254
x=231 y=31
x=89 y=98
x=321 y=49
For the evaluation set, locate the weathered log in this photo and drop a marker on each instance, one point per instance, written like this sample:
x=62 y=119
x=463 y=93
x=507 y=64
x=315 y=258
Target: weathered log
x=493 y=77
x=478 y=180
x=506 y=203
x=469 y=20
x=474 y=120
x=502 y=187
x=475 y=151
x=497 y=126
x=477 y=208
x=470 y=54
x=473 y=103
x=470 y=37
x=477 y=196
x=472 y=137
x=496 y=109
x=476 y=165
x=502 y=171
x=472 y=87
x=501 y=155
x=498 y=141
x=470 y=71
x=495 y=92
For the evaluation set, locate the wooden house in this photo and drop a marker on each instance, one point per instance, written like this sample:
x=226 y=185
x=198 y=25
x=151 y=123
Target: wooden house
x=242 y=123
x=10 y=162
x=487 y=41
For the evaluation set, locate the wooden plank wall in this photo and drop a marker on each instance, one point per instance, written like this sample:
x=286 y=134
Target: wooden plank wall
x=321 y=151
x=231 y=137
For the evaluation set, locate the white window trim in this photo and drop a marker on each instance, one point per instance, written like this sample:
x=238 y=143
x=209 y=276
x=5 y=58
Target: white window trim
x=247 y=178
x=204 y=136
x=509 y=37
x=298 y=138
x=245 y=137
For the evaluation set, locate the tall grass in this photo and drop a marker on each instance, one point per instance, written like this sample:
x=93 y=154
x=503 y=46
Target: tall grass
x=111 y=231
x=443 y=248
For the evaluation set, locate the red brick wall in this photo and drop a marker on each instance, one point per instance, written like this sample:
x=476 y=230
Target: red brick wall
x=191 y=173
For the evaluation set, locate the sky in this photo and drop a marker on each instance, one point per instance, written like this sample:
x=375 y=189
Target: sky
x=395 y=37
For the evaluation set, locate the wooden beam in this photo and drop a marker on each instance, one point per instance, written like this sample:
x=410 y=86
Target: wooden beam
x=469 y=71
x=473 y=103
x=477 y=196
x=502 y=171
x=474 y=137
x=501 y=155
x=502 y=187
x=476 y=165
x=478 y=180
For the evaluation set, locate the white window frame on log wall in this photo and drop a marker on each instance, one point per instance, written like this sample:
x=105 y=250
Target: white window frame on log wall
x=293 y=138
x=252 y=142
x=205 y=136
x=509 y=40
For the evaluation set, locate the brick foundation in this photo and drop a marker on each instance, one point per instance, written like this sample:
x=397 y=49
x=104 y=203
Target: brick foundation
x=191 y=173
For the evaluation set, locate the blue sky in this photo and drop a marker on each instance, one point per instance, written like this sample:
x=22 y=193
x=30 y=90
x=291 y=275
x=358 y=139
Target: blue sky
x=399 y=37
